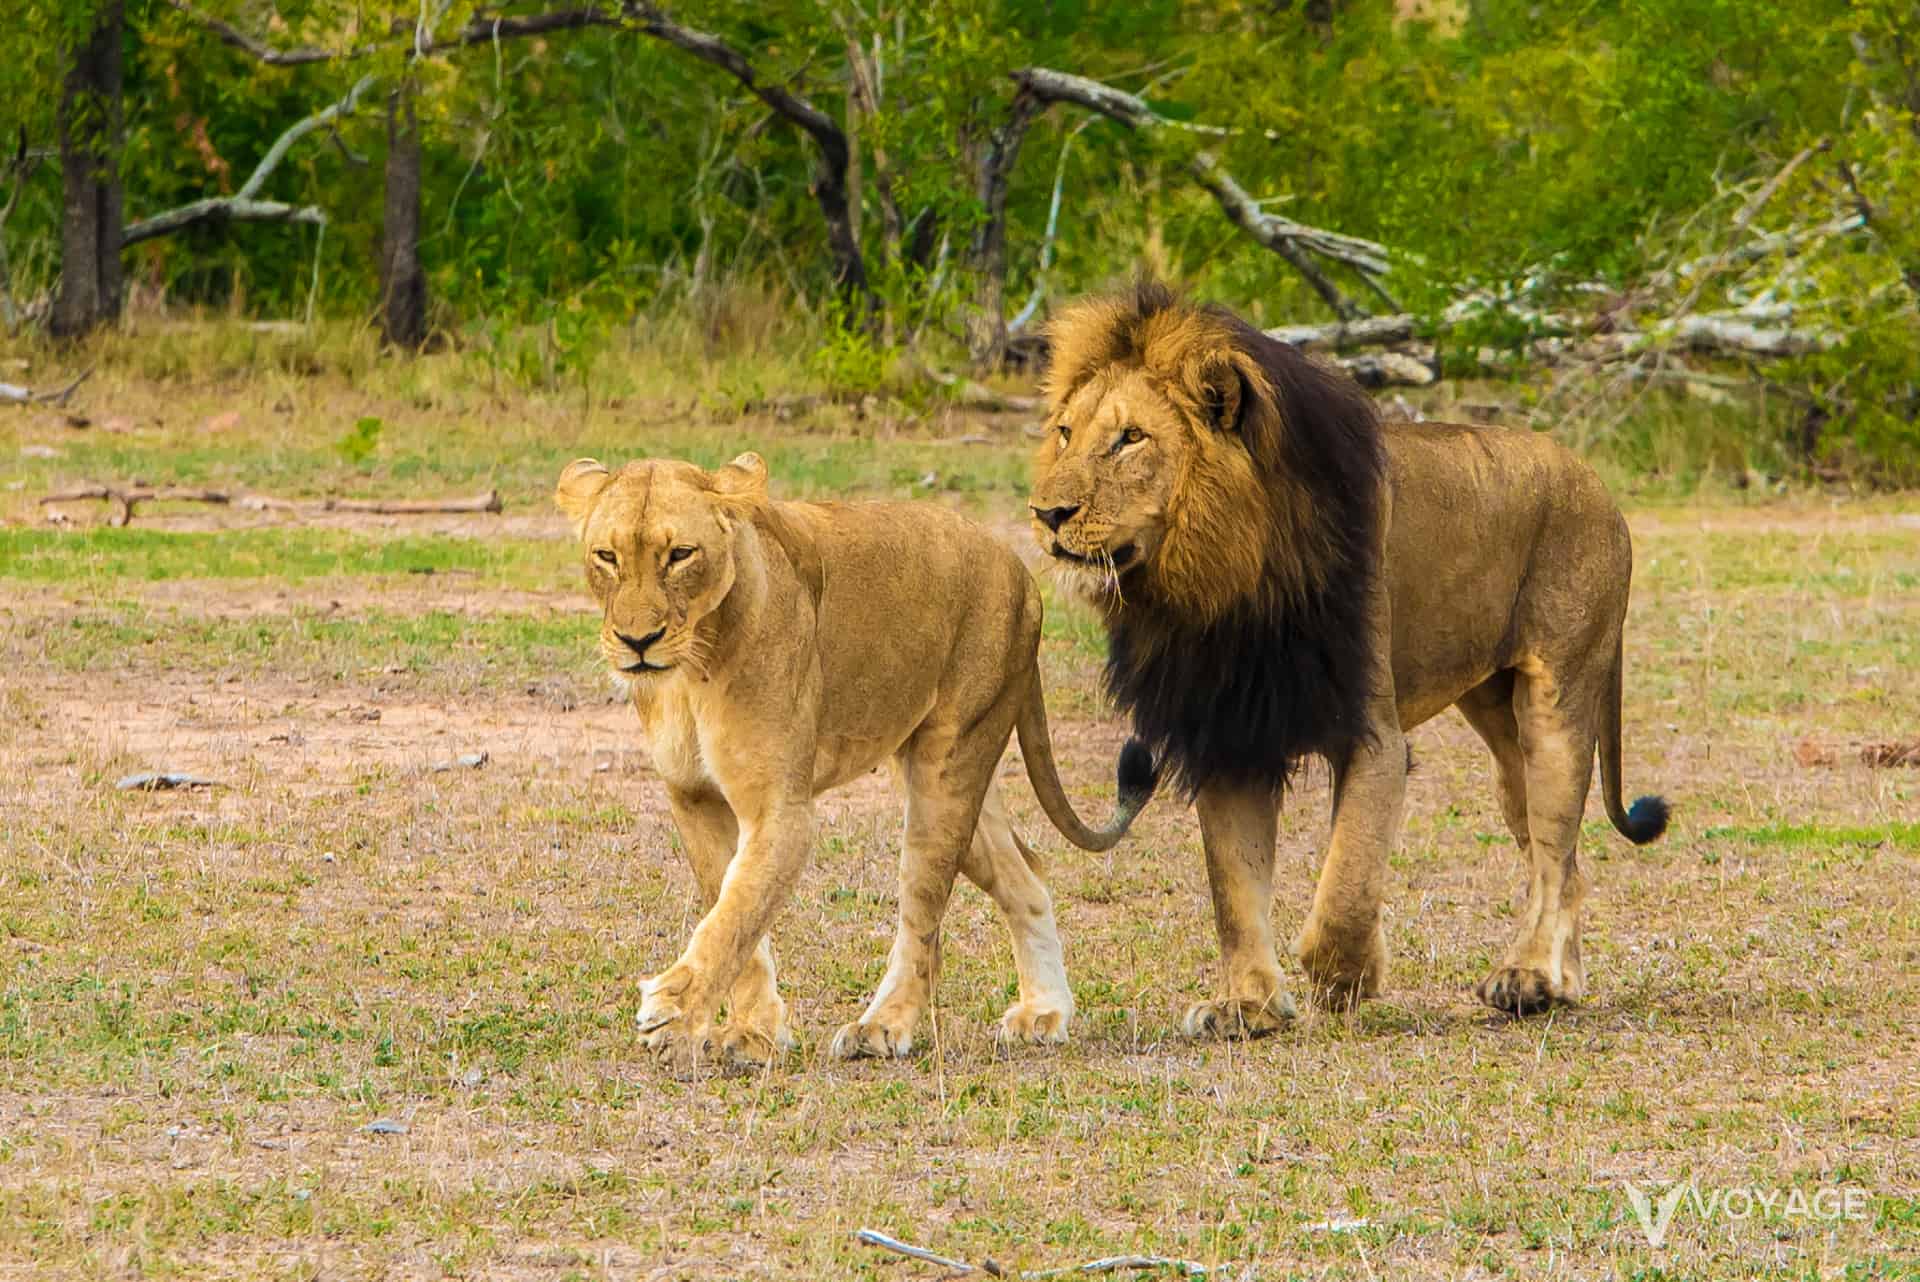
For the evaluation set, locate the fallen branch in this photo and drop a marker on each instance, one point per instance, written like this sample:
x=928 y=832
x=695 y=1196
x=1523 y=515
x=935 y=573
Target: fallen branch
x=977 y=395
x=125 y=497
x=1342 y=336
x=488 y=502
x=14 y=394
x=1810 y=753
x=1389 y=369
x=1107 y=1264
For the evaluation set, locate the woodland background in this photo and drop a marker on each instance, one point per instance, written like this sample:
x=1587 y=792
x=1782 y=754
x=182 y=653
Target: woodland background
x=1683 y=232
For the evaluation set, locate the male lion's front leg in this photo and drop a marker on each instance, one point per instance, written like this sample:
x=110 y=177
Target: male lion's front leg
x=1237 y=827
x=678 y=1006
x=1342 y=945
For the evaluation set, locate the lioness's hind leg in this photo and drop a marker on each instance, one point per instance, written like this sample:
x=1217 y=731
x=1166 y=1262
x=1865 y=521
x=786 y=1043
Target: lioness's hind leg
x=999 y=863
x=946 y=777
x=1554 y=718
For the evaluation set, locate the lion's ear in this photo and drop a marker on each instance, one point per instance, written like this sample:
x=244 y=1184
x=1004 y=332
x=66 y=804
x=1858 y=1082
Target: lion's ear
x=579 y=489
x=1223 y=392
x=744 y=478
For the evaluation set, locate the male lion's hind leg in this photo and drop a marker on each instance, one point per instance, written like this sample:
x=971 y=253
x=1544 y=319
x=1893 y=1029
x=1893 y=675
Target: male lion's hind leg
x=1000 y=864
x=943 y=807
x=1342 y=944
x=1555 y=734
x=1238 y=829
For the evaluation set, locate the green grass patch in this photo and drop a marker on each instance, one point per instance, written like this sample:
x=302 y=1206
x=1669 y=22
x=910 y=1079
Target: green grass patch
x=99 y=554
x=444 y=647
x=1898 y=836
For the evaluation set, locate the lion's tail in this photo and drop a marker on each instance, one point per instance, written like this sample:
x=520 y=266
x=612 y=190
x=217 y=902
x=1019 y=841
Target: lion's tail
x=1647 y=818
x=1137 y=774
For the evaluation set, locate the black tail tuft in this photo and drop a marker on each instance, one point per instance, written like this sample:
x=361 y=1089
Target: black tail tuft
x=1139 y=776
x=1646 y=820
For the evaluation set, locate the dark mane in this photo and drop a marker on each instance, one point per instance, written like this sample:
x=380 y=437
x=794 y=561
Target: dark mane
x=1285 y=672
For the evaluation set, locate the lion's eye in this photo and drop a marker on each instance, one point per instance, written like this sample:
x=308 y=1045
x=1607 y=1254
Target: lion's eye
x=606 y=556
x=679 y=554
x=1066 y=433
x=1132 y=436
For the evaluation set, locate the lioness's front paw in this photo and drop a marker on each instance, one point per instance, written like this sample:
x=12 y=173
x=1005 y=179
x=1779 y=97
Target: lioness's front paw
x=872 y=1039
x=1035 y=1022
x=1523 y=990
x=1240 y=1018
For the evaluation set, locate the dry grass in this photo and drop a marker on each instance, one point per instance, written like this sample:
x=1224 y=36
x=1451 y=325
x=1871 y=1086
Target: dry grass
x=206 y=997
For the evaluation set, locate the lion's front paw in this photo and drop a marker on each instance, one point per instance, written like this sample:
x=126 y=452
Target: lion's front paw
x=873 y=1039
x=1035 y=1022
x=1524 y=990
x=1342 y=974
x=1240 y=1018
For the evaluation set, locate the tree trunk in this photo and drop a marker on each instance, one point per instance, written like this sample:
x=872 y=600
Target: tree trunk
x=403 y=285
x=90 y=141
x=987 y=328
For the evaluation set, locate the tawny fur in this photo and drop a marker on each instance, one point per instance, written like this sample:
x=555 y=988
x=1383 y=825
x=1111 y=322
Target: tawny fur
x=776 y=650
x=1211 y=492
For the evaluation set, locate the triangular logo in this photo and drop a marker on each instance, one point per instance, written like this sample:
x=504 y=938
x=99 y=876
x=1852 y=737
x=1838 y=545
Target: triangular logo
x=1655 y=1220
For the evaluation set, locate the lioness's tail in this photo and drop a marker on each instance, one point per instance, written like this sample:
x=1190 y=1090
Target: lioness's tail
x=1648 y=817
x=1138 y=778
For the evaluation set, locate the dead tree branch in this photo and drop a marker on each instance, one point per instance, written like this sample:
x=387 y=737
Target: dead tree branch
x=245 y=205
x=1297 y=243
x=124 y=497
x=830 y=170
x=14 y=394
x=480 y=30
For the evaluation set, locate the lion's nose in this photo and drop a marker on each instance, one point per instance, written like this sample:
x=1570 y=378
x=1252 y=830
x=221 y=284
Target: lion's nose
x=1055 y=517
x=639 y=644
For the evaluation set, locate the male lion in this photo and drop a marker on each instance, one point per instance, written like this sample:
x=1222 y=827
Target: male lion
x=1281 y=575
x=775 y=650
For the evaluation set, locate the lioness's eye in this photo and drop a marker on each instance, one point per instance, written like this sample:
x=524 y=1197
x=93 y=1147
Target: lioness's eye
x=1066 y=433
x=607 y=556
x=679 y=554
x=1132 y=436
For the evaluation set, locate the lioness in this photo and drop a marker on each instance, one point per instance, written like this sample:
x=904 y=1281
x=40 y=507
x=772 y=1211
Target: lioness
x=1282 y=575
x=775 y=650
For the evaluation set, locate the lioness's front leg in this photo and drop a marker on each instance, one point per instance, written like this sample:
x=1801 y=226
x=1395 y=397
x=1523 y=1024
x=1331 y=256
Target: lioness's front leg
x=756 y=1028
x=678 y=1005
x=1238 y=828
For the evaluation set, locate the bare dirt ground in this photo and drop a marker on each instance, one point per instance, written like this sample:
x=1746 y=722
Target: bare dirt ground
x=211 y=995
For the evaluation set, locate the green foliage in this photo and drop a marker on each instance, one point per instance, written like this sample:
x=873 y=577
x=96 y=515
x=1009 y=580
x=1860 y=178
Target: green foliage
x=578 y=182
x=358 y=445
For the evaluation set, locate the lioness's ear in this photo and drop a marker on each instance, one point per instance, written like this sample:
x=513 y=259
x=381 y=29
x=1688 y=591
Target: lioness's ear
x=744 y=478
x=1222 y=392
x=579 y=489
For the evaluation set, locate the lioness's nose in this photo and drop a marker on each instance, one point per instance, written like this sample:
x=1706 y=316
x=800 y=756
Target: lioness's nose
x=1055 y=517
x=639 y=644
